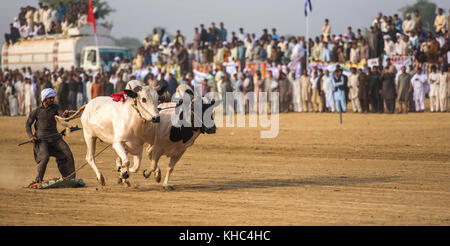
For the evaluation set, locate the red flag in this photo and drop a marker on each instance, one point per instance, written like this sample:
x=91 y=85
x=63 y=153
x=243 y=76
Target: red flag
x=90 y=17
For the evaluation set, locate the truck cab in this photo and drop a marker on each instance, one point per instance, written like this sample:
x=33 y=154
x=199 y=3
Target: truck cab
x=93 y=57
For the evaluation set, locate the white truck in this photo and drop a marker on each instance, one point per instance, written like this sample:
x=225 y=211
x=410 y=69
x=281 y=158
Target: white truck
x=78 y=49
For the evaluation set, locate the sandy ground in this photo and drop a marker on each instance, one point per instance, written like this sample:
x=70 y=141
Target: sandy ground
x=375 y=169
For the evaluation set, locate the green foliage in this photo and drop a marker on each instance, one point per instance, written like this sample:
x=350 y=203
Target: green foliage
x=427 y=11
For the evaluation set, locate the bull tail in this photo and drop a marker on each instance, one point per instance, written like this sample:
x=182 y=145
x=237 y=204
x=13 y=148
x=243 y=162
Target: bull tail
x=79 y=111
x=63 y=121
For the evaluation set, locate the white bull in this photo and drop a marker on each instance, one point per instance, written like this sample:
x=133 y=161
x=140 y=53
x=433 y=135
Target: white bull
x=122 y=124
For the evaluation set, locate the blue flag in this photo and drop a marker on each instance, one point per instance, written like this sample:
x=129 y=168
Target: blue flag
x=308 y=2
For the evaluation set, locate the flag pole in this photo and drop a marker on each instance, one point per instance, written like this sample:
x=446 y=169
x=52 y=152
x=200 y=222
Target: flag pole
x=307 y=41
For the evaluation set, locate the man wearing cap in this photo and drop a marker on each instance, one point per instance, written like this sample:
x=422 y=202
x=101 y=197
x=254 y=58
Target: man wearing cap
x=47 y=141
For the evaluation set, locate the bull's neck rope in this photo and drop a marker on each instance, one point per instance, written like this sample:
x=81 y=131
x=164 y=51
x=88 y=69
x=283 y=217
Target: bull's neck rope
x=134 y=105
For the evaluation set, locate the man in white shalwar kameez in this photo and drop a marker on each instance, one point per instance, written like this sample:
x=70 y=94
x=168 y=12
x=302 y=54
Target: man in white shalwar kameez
x=418 y=81
x=29 y=97
x=296 y=92
x=433 y=80
x=354 y=91
x=19 y=89
x=444 y=81
x=327 y=87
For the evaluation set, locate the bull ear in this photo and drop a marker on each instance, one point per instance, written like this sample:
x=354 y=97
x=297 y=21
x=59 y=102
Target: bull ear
x=131 y=93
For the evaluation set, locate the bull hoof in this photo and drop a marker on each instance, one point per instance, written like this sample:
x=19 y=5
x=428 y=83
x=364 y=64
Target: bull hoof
x=119 y=180
x=101 y=181
x=158 y=176
x=125 y=175
x=168 y=187
x=119 y=169
x=146 y=174
x=126 y=183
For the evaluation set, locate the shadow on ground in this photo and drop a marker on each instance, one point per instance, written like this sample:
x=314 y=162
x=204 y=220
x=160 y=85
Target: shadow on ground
x=273 y=183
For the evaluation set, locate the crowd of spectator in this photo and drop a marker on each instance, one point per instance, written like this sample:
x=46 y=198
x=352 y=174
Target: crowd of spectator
x=47 y=20
x=268 y=62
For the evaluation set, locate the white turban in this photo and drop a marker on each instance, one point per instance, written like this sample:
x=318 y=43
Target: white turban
x=46 y=93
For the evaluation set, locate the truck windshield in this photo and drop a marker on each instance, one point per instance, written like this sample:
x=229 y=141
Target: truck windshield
x=107 y=56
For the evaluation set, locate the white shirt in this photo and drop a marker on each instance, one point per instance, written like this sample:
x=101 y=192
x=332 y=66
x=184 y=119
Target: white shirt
x=433 y=80
x=314 y=82
x=418 y=80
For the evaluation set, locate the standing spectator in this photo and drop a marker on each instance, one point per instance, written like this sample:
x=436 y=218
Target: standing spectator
x=372 y=42
x=354 y=53
x=444 y=89
x=363 y=91
x=155 y=37
x=19 y=87
x=321 y=92
x=418 y=81
x=225 y=87
x=433 y=80
x=388 y=89
x=215 y=32
x=183 y=59
x=164 y=38
x=354 y=91
x=97 y=88
x=326 y=30
x=223 y=33
x=285 y=92
x=440 y=21
x=398 y=23
x=196 y=39
x=404 y=90
x=203 y=35
x=120 y=85
x=12 y=99
x=305 y=86
x=73 y=90
x=315 y=92
x=179 y=38
x=62 y=10
x=3 y=98
x=172 y=84
x=63 y=94
x=351 y=34
x=108 y=87
x=296 y=92
x=275 y=35
x=417 y=19
x=79 y=102
x=258 y=87
x=29 y=97
x=327 y=87
x=241 y=34
x=339 y=91
x=89 y=83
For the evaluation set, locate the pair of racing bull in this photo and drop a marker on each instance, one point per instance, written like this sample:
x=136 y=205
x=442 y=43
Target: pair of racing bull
x=128 y=125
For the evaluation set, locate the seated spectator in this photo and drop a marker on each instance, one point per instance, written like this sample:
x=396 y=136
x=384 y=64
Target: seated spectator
x=13 y=35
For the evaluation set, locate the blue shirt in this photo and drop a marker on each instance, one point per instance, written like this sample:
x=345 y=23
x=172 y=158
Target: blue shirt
x=61 y=11
x=275 y=36
x=223 y=34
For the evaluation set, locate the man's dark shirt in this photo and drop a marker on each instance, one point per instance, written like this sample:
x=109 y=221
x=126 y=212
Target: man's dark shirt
x=44 y=122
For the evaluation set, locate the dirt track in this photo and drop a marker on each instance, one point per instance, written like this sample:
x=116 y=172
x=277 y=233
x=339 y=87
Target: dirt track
x=375 y=169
